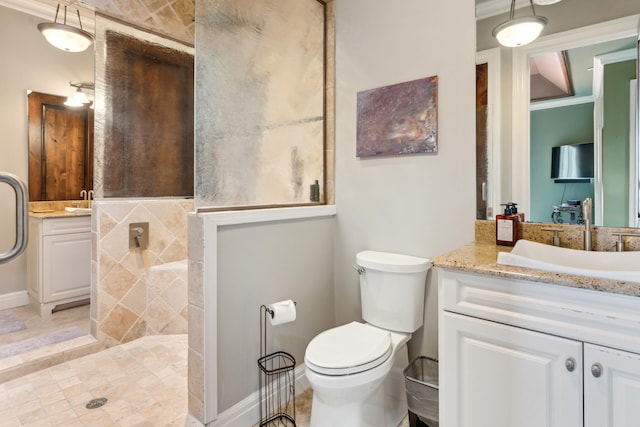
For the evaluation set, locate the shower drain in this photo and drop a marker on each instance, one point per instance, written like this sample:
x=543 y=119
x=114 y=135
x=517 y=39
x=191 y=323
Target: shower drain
x=96 y=403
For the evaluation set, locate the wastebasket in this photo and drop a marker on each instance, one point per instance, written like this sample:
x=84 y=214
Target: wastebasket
x=421 y=381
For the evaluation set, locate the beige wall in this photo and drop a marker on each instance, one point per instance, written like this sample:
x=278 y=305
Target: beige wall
x=30 y=64
x=421 y=205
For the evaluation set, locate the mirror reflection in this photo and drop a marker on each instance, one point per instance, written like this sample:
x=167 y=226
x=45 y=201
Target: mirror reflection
x=600 y=77
x=60 y=148
x=34 y=66
x=597 y=40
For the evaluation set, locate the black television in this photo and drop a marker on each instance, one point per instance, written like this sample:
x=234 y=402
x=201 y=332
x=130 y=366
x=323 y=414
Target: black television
x=572 y=163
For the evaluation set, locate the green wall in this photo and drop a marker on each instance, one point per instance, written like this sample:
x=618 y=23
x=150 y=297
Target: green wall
x=550 y=128
x=615 y=142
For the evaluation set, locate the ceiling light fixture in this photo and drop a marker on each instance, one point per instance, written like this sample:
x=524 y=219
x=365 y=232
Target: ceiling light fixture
x=65 y=37
x=79 y=98
x=519 y=31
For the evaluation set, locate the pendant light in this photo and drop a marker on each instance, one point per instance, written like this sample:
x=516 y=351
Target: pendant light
x=65 y=37
x=519 y=31
x=79 y=98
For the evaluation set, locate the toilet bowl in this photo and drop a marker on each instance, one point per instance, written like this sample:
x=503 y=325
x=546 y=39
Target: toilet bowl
x=352 y=393
x=355 y=370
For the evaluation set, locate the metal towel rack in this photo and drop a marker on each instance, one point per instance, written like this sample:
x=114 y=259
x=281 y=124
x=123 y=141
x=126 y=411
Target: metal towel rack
x=22 y=211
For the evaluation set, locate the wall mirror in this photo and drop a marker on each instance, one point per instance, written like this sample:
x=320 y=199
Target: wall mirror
x=35 y=67
x=60 y=148
x=606 y=46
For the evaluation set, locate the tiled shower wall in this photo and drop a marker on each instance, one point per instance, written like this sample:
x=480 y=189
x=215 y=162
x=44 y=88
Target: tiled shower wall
x=123 y=305
x=173 y=18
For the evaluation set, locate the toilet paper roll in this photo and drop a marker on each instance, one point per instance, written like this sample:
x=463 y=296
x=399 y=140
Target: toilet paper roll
x=282 y=312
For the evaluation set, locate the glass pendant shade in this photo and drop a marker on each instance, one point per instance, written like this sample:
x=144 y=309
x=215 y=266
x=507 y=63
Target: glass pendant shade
x=78 y=99
x=519 y=31
x=65 y=37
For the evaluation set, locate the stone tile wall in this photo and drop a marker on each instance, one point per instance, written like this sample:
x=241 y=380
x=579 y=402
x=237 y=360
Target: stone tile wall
x=121 y=306
x=173 y=18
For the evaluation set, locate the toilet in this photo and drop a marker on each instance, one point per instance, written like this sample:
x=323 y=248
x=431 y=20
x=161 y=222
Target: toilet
x=355 y=370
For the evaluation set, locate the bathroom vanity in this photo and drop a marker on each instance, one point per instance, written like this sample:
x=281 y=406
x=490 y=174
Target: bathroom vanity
x=523 y=347
x=59 y=259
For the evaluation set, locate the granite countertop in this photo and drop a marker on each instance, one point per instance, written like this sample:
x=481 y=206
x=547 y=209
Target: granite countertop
x=49 y=213
x=481 y=257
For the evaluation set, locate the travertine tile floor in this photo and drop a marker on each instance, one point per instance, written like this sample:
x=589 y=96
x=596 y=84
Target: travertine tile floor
x=36 y=325
x=25 y=363
x=303 y=410
x=145 y=382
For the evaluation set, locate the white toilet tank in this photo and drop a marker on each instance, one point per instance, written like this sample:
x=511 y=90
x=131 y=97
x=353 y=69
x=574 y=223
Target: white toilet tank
x=392 y=289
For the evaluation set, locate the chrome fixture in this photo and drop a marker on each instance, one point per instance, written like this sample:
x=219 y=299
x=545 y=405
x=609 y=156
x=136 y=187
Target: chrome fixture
x=620 y=242
x=519 y=31
x=139 y=235
x=22 y=212
x=586 y=216
x=79 y=98
x=556 y=235
x=87 y=196
x=64 y=36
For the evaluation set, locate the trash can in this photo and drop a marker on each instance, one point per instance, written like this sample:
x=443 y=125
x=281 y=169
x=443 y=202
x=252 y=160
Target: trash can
x=421 y=381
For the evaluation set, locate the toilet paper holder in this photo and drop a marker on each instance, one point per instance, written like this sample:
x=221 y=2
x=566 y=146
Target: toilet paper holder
x=271 y=312
x=277 y=385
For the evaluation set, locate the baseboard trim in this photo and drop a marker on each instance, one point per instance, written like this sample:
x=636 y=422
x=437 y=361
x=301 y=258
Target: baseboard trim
x=14 y=299
x=247 y=411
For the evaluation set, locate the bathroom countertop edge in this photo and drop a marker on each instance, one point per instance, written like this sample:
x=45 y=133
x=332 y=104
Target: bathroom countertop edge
x=481 y=258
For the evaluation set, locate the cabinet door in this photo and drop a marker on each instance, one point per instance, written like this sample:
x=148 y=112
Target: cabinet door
x=502 y=376
x=611 y=387
x=66 y=266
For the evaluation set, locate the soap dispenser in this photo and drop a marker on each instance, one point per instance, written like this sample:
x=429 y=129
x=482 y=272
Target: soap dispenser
x=507 y=225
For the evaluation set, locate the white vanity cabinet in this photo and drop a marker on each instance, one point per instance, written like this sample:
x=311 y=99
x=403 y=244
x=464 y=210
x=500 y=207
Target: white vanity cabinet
x=59 y=261
x=523 y=353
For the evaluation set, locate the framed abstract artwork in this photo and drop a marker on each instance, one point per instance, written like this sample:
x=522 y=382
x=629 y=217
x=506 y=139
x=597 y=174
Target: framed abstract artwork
x=398 y=119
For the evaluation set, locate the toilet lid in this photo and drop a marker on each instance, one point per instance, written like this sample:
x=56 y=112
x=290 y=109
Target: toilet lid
x=348 y=349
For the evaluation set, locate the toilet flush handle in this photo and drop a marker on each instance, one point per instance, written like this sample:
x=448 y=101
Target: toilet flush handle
x=359 y=269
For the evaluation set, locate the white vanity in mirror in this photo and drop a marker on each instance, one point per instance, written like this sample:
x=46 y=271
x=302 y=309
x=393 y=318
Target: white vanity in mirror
x=522 y=347
x=59 y=260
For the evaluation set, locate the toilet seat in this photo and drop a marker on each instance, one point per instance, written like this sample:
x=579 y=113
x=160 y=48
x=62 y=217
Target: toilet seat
x=348 y=349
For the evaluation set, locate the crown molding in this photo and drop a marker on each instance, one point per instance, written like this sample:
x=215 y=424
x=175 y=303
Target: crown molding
x=490 y=8
x=46 y=9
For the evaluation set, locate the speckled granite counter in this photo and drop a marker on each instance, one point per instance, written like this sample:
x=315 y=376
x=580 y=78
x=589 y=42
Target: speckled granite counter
x=57 y=214
x=56 y=209
x=481 y=257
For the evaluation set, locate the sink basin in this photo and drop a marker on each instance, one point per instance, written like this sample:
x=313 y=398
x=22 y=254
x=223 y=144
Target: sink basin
x=608 y=265
x=77 y=210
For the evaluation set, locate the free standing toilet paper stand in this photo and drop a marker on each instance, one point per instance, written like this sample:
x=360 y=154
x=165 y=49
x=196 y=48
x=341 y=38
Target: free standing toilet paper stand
x=277 y=380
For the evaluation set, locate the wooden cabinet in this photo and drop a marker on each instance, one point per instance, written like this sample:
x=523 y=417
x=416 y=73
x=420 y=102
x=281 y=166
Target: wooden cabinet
x=59 y=261
x=518 y=353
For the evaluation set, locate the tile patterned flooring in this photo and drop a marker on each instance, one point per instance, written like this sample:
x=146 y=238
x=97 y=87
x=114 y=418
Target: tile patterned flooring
x=145 y=382
x=36 y=325
x=35 y=360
